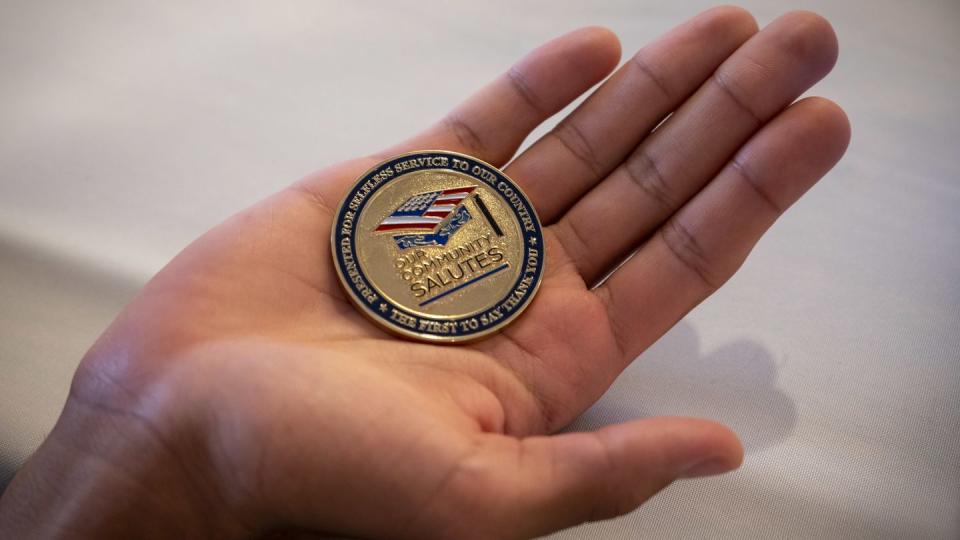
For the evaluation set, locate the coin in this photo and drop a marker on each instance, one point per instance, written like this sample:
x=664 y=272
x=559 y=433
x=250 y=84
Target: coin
x=438 y=246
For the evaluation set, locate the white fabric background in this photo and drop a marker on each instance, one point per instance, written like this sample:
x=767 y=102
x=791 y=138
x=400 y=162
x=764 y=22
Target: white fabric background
x=128 y=128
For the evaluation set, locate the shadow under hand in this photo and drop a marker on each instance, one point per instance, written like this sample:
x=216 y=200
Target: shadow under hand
x=735 y=385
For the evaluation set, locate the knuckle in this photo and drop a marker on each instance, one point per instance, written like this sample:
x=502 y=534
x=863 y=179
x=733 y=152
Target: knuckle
x=653 y=72
x=645 y=173
x=520 y=85
x=687 y=249
x=574 y=245
x=577 y=143
x=748 y=177
x=466 y=135
x=729 y=84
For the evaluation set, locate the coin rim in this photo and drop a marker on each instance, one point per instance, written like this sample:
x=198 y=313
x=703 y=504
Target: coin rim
x=397 y=329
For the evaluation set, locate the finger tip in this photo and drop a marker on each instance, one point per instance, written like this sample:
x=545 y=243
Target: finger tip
x=717 y=451
x=730 y=16
x=811 y=36
x=601 y=43
x=693 y=442
x=830 y=123
x=836 y=118
x=732 y=456
x=589 y=53
x=723 y=440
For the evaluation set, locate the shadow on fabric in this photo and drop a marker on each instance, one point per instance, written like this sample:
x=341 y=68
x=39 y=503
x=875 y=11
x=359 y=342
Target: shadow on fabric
x=735 y=384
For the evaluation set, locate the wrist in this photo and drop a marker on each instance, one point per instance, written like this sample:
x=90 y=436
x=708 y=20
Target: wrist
x=119 y=467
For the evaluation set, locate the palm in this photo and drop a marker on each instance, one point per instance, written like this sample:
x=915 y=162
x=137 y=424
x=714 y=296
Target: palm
x=268 y=316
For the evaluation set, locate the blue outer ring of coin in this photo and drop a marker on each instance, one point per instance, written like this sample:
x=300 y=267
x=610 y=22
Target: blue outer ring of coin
x=343 y=242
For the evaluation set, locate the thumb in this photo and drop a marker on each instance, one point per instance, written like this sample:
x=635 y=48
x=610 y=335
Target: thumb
x=533 y=486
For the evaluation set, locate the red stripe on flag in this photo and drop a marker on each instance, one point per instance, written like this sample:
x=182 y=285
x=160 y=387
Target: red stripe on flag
x=458 y=190
x=392 y=226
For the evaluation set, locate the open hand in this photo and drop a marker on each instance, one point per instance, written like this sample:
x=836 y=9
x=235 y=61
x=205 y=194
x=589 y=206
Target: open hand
x=242 y=394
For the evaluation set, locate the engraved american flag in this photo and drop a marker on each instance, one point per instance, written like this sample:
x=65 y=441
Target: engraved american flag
x=425 y=211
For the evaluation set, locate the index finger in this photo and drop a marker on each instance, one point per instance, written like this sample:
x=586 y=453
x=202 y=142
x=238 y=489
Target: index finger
x=492 y=123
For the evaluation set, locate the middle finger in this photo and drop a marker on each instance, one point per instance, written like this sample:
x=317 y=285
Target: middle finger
x=595 y=138
x=761 y=78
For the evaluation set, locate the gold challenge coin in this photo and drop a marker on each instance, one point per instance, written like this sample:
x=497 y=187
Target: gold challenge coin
x=438 y=246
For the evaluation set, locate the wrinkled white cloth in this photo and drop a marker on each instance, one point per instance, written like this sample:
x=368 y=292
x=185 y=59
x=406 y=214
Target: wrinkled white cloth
x=127 y=129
